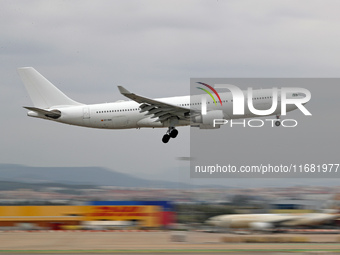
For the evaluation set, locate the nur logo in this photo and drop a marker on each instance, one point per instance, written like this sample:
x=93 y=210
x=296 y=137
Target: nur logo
x=295 y=96
x=208 y=92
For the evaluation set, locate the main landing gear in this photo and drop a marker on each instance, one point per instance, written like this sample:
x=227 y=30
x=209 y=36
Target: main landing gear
x=277 y=122
x=171 y=133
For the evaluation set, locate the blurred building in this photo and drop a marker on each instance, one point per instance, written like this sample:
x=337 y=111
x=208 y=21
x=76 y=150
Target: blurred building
x=142 y=214
x=296 y=205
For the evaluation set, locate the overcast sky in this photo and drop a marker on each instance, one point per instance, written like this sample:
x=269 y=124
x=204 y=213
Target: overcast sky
x=153 y=48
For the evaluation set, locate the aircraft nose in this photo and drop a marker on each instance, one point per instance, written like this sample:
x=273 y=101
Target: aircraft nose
x=211 y=221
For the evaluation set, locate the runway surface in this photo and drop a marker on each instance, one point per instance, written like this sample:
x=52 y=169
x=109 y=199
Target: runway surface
x=156 y=243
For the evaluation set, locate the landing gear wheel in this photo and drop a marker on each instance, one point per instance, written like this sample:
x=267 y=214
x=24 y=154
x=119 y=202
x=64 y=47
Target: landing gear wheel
x=277 y=123
x=166 y=138
x=174 y=133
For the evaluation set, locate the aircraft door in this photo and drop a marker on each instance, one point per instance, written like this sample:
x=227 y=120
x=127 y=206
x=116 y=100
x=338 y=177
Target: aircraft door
x=86 y=113
x=86 y=116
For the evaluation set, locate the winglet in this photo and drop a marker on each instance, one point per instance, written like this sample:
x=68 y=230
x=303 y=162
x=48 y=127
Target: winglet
x=123 y=90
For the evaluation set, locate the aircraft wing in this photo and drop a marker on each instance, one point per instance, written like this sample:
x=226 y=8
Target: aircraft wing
x=281 y=219
x=160 y=110
x=300 y=220
x=54 y=114
x=312 y=219
x=251 y=220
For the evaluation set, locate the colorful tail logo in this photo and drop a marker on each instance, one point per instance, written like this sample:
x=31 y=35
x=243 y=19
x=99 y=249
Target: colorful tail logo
x=212 y=89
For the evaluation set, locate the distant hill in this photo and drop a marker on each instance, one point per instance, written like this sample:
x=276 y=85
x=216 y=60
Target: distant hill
x=63 y=188
x=96 y=176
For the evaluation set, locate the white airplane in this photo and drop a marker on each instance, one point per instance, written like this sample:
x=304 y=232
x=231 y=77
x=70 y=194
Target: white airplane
x=263 y=222
x=142 y=112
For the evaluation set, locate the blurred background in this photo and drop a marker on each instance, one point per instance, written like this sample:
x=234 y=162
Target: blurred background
x=27 y=201
x=60 y=177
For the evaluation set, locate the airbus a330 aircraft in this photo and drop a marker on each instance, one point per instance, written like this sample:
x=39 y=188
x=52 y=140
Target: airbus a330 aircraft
x=142 y=112
x=264 y=222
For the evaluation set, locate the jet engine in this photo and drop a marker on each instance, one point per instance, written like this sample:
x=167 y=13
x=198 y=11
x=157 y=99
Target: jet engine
x=206 y=121
x=260 y=226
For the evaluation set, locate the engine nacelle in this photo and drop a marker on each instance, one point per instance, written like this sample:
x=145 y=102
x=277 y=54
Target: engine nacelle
x=260 y=226
x=206 y=121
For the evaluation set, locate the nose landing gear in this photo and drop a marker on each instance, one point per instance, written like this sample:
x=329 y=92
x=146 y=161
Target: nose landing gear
x=278 y=122
x=171 y=133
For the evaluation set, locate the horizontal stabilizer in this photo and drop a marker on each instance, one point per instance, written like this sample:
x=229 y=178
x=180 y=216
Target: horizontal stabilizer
x=54 y=114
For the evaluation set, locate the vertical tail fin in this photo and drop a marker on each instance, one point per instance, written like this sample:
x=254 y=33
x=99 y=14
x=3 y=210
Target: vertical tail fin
x=42 y=92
